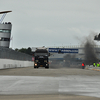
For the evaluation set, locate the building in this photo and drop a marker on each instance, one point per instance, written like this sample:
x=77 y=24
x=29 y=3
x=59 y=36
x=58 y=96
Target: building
x=5 y=31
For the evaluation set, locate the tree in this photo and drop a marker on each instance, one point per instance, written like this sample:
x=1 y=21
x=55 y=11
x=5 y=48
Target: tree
x=29 y=51
x=24 y=50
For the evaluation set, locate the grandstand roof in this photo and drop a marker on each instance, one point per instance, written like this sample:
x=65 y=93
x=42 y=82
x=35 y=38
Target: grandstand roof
x=5 y=12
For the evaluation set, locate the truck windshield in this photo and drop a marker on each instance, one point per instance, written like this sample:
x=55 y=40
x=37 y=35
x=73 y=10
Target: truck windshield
x=41 y=51
x=38 y=54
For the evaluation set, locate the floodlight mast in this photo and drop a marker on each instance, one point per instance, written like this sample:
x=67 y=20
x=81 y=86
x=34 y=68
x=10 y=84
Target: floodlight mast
x=3 y=16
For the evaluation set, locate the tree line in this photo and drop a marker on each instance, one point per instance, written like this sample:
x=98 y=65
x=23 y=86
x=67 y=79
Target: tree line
x=25 y=50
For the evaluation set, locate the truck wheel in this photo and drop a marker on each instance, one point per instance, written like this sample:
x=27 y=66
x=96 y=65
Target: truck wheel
x=37 y=67
x=47 y=67
x=34 y=66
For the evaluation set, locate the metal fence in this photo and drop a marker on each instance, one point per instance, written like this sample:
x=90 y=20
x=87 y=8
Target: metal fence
x=6 y=53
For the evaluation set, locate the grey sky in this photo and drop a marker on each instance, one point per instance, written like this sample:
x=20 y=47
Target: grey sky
x=51 y=22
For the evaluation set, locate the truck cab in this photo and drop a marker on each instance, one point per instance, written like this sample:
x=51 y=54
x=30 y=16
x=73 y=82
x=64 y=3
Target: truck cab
x=41 y=58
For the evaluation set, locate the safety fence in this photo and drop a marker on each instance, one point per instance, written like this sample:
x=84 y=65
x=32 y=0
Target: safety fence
x=13 y=59
x=6 y=53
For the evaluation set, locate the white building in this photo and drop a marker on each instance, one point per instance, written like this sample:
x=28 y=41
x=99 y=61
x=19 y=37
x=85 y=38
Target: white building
x=5 y=33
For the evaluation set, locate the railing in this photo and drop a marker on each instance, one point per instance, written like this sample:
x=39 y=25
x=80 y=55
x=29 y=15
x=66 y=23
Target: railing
x=73 y=46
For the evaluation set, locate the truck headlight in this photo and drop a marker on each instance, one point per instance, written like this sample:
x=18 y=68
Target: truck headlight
x=35 y=64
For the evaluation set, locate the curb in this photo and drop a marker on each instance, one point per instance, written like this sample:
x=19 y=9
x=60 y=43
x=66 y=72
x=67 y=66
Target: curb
x=96 y=69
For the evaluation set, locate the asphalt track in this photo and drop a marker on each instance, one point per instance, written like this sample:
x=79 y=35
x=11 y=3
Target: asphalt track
x=46 y=84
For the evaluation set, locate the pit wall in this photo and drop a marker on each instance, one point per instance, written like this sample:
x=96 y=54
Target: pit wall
x=8 y=63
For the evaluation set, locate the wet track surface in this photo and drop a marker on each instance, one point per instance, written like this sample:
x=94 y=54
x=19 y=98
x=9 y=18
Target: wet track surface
x=51 y=82
x=76 y=85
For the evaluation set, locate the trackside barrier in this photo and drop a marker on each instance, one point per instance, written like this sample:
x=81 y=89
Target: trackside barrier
x=91 y=67
x=8 y=63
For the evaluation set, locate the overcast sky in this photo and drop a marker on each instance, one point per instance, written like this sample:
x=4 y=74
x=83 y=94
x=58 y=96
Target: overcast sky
x=51 y=22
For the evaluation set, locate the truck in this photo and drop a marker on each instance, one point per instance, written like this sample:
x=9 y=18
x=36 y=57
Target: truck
x=41 y=58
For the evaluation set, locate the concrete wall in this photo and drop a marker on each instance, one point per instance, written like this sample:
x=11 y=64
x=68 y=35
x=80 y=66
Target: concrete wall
x=8 y=63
